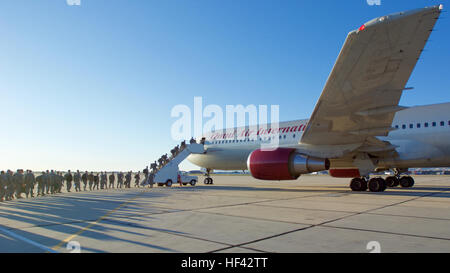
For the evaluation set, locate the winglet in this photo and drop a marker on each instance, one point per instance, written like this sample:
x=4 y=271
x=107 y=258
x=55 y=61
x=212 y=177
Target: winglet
x=441 y=7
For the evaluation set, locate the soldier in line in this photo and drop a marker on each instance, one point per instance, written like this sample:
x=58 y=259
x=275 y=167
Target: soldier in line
x=52 y=182
x=10 y=185
x=103 y=181
x=56 y=181
x=111 y=180
x=128 y=180
x=40 y=183
x=76 y=181
x=47 y=182
x=120 y=179
x=84 y=178
x=137 y=178
x=91 y=180
x=192 y=140
x=60 y=184
x=30 y=181
x=68 y=177
x=160 y=163
x=2 y=185
x=96 y=181
x=146 y=174
x=19 y=182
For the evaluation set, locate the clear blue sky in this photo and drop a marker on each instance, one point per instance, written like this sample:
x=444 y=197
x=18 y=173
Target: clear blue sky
x=92 y=86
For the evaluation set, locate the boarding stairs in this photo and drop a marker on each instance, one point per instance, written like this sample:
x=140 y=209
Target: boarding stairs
x=168 y=174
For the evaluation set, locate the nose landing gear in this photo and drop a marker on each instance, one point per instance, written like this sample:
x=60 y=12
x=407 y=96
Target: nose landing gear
x=208 y=180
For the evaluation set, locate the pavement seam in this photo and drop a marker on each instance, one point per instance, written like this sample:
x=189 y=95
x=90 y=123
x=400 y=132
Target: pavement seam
x=334 y=220
x=388 y=232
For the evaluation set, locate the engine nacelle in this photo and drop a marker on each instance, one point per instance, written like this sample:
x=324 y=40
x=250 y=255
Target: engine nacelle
x=283 y=164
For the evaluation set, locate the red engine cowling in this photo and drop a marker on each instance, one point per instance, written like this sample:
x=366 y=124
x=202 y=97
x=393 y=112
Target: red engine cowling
x=283 y=164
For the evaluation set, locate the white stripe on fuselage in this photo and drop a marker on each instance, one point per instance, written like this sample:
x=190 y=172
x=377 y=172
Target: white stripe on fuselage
x=421 y=145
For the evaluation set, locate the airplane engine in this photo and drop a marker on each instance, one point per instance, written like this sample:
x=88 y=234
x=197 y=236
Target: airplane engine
x=283 y=164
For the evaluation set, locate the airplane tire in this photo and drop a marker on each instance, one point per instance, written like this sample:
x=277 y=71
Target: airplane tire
x=169 y=183
x=406 y=182
x=392 y=181
x=358 y=184
x=377 y=184
x=383 y=183
x=411 y=183
x=193 y=182
x=208 y=181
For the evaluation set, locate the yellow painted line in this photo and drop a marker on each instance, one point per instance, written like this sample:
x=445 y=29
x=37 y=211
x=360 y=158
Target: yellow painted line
x=71 y=237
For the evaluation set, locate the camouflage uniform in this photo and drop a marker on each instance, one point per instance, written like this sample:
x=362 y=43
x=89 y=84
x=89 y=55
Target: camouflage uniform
x=68 y=177
x=2 y=185
x=76 y=180
x=103 y=181
x=40 y=183
x=96 y=181
x=53 y=181
x=91 y=180
x=10 y=187
x=119 y=180
x=111 y=180
x=19 y=183
x=60 y=184
x=84 y=178
x=128 y=180
x=30 y=180
x=46 y=182
x=138 y=178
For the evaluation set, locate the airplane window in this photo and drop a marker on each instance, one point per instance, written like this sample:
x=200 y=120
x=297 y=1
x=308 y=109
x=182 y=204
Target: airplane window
x=434 y=124
x=442 y=123
x=403 y=126
x=426 y=124
x=396 y=126
x=284 y=136
x=418 y=125
x=411 y=126
x=293 y=136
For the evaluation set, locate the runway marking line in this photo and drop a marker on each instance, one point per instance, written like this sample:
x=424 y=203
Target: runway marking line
x=71 y=237
x=26 y=240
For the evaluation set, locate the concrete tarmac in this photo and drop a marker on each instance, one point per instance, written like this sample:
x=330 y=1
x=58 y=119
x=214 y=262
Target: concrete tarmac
x=236 y=214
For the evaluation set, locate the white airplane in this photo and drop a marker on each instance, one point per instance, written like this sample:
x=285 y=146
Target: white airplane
x=357 y=126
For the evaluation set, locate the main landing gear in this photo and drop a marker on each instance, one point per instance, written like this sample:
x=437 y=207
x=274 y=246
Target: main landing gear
x=208 y=180
x=378 y=184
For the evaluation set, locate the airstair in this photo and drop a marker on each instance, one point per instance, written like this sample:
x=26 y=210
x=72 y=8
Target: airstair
x=168 y=174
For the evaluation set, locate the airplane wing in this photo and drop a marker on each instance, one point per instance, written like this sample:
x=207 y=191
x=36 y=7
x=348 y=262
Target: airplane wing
x=361 y=95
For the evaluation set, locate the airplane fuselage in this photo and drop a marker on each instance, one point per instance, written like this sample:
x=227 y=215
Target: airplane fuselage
x=421 y=139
